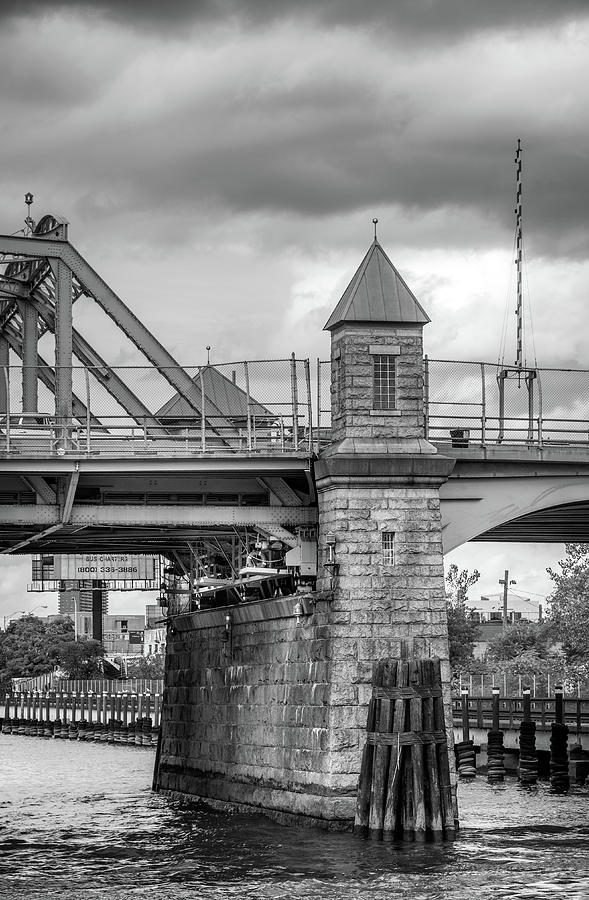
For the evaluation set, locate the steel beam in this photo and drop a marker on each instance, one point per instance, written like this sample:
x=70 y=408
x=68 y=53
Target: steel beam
x=40 y=487
x=282 y=491
x=4 y=363
x=47 y=376
x=114 y=307
x=192 y=465
x=30 y=335
x=63 y=341
x=102 y=372
x=160 y=515
x=72 y=484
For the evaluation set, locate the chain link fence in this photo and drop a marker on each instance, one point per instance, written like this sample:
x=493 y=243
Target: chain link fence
x=258 y=406
x=277 y=406
x=486 y=403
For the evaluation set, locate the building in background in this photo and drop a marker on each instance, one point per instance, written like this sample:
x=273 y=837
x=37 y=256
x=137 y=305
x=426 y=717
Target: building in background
x=489 y=608
x=86 y=604
x=123 y=635
x=488 y=612
x=154 y=615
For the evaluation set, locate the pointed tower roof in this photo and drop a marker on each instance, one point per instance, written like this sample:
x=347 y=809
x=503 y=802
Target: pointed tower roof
x=377 y=293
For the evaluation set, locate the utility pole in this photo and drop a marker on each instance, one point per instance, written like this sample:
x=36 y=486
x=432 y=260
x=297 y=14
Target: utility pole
x=506 y=582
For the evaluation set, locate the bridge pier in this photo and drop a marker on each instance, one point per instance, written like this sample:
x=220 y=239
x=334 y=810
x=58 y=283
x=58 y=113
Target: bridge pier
x=266 y=702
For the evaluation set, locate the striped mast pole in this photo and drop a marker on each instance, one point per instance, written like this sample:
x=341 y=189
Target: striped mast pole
x=519 y=253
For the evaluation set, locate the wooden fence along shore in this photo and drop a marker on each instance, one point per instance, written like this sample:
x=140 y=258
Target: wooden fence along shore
x=120 y=718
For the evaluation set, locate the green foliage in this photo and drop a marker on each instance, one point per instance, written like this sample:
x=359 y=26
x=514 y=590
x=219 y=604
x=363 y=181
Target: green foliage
x=29 y=647
x=146 y=666
x=521 y=638
x=569 y=603
x=81 y=659
x=463 y=633
x=459 y=583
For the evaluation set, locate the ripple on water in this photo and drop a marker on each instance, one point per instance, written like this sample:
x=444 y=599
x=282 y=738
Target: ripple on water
x=80 y=821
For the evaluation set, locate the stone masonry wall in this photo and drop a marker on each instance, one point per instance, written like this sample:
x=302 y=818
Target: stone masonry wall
x=352 y=374
x=247 y=721
x=377 y=607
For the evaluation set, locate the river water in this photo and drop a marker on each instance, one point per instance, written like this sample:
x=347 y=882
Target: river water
x=80 y=821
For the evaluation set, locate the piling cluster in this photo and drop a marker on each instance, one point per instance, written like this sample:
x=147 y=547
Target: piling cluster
x=528 y=758
x=140 y=733
x=404 y=786
x=559 y=758
x=84 y=716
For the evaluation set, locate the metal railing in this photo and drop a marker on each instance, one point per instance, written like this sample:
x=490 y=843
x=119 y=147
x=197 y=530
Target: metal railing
x=256 y=406
x=539 y=685
x=511 y=713
x=271 y=407
x=484 y=404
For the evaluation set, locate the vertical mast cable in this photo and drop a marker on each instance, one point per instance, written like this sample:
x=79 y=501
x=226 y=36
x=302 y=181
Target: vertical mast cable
x=519 y=252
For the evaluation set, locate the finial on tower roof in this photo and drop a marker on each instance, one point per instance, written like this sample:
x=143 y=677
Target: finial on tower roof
x=29 y=222
x=375 y=223
x=208 y=349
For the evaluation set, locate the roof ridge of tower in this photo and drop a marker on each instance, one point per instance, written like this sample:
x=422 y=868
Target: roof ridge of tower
x=377 y=293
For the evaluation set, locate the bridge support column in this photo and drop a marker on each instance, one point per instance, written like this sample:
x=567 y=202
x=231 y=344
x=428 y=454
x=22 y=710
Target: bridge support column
x=30 y=359
x=383 y=513
x=63 y=350
x=271 y=711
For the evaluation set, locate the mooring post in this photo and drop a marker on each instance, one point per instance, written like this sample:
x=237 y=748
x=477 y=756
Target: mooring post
x=465 y=752
x=528 y=760
x=559 y=758
x=465 y=724
x=495 y=752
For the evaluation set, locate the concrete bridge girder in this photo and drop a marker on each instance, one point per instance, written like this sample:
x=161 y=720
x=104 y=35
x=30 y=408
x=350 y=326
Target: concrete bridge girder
x=481 y=497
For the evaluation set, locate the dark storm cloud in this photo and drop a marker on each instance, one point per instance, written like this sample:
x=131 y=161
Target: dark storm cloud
x=427 y=18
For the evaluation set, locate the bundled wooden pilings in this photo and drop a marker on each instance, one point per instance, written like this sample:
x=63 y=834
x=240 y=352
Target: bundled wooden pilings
x=559 y=756
x=528 y=758
x=118 y=719
x=404 y=786
x=495 y=752
x=466 y=758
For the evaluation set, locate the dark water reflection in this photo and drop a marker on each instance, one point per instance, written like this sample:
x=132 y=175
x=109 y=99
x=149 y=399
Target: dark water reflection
x=80 y=820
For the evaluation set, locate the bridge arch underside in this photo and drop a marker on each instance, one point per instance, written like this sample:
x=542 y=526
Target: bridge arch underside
x=530 y=502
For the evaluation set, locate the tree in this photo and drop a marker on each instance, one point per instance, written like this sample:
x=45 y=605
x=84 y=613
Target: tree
x=569 y=602
x=29 y=647
x=81 y=659
x=458 y=584
x=151 y=666
x=521 y=638
x=463 y=633
x=463 y=630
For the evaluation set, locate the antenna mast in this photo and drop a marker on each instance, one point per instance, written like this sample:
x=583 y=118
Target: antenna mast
x=519 y=252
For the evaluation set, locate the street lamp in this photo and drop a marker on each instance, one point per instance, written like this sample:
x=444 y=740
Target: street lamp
x=506 y=582
x=40 y=606
x=20 y=611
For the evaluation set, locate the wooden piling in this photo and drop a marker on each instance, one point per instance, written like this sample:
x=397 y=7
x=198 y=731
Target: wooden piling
x=404 y=785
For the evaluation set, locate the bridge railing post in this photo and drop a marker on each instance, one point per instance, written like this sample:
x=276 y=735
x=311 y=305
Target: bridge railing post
x=295 y=402
x=483 y=406
x=203 y=429
x=309 y=406
x=248 y=405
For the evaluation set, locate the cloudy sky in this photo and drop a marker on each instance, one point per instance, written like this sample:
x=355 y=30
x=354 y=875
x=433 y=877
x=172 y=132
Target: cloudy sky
x=220 y=163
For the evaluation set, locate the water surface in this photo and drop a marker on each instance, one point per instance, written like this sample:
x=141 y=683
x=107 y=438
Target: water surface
x=79 y=820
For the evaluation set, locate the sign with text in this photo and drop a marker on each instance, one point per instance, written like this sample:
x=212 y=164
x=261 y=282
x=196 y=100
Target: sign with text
x=104 y=567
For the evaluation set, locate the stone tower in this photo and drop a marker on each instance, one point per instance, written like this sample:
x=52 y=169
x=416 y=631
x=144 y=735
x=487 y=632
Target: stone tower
x=379 y=507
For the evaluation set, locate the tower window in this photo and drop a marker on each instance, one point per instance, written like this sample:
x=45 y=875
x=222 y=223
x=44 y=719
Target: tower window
x=383 y=382
x=388 y=548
